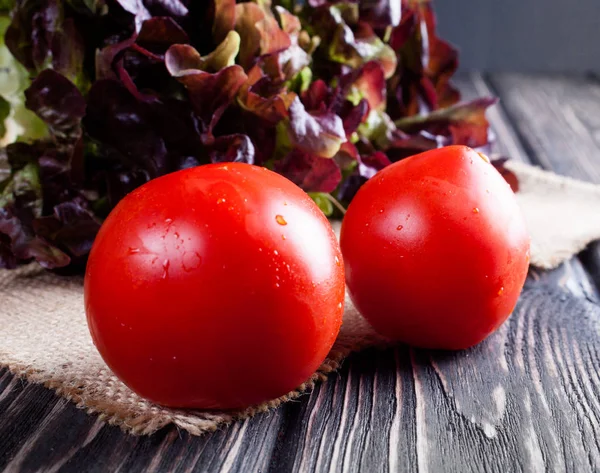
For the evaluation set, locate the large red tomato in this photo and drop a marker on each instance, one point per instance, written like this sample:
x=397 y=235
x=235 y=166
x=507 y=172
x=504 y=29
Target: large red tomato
x=436 y=249
x=216 y=287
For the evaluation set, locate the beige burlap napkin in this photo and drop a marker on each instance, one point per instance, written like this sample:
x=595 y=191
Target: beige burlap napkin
x=44 y=336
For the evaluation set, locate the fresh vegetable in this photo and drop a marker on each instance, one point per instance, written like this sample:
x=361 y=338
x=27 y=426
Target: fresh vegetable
x=436 y=249
x=216 y=287
x=119 y=92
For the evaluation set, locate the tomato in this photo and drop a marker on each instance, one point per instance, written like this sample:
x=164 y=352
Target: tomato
x=216 y=287
x=436 y=249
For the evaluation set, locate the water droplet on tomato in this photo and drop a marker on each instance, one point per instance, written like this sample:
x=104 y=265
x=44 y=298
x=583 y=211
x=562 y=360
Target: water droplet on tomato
x=380 y=211
x=260 y=249
x=280 y=220
x=314 y=284
x=284 y=202
x=191 y=261
x=221 y=200
x=475 y=210
x=133 y=251
x=283 y=237
x=340 y=306
x=275 y=252
x=501 y=291
x=176 y=235
x=276 y=284
x=399 y=227
x=165 y=265
x=337 y=261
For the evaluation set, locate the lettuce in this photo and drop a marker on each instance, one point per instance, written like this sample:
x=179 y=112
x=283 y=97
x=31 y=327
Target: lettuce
x=97 y=97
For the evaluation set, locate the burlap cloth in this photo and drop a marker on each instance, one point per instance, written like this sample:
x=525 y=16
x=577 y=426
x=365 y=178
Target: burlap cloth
x=44 y=336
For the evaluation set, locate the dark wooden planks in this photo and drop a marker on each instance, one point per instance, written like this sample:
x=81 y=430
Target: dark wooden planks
x=558 y=119
x=40 y=430
x=524 y=400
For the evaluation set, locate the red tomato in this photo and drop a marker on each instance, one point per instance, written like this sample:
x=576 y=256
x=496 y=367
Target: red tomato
x=216 y=287
x=436 y=249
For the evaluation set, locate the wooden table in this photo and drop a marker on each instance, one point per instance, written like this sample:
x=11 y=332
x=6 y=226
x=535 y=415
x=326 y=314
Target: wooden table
x=527 y=399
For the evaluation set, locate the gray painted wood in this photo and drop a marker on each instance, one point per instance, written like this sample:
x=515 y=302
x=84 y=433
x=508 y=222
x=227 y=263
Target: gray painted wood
x=523 y=35
x=524 y=400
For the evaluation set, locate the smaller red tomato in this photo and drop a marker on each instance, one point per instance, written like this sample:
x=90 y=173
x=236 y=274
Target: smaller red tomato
x=436 y=249
x=216 y=287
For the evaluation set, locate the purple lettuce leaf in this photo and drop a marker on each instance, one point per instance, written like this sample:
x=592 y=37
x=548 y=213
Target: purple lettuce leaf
x=175 y=8
x=325 y=92
x=118 y=120
x=20 y=204
x=40 y=37
x=350 y=41
x=259 y=32
x=58 y=102
x=381 y=13
x=463 y=123
x=310 y=172
x=232 y=148
x=210 y=94
x=262 y=97
x=72 y=226
x=137 y=9
x=320 y=134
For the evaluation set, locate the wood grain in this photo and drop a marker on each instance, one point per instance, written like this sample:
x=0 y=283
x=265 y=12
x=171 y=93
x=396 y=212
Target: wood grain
x=524 y=400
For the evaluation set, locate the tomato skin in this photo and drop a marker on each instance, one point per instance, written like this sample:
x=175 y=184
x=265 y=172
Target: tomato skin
x=436 y=250
x=216 y=287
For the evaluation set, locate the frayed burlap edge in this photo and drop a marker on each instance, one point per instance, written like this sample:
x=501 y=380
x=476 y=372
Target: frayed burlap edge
x=562 y=214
